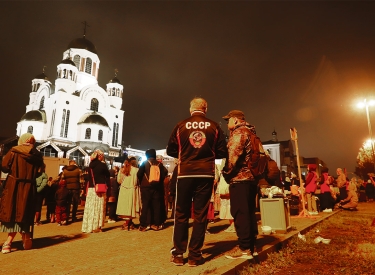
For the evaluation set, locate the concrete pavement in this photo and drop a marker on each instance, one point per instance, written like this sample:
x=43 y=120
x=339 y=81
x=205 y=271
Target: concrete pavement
x=65 y=250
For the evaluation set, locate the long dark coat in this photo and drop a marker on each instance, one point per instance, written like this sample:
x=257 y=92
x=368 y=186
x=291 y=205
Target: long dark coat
x=17 y=203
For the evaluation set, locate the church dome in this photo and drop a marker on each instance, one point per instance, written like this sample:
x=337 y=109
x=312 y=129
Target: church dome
x=41 y=76
x=68 y=61
x=115 y=80
x=35 y=115
x=93 y=118
x=82 y=43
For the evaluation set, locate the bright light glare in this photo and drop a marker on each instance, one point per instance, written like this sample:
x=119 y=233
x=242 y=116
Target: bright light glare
x=361 y=105
x=371 y=102
x=368 y=143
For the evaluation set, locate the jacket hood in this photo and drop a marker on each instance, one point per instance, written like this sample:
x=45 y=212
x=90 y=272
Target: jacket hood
x=71 y=167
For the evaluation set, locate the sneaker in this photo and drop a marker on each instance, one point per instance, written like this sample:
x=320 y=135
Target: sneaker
x=6 y=248
x=142 y=229
x=193 y=263
x=177 y=260
x=111 y=221
x=63 y=222
x=327 y=210
x=238 y=253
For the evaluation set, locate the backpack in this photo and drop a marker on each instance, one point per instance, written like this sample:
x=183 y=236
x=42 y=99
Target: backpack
x=273 y=172
x=261 y=164
x=258 y=159
x=154 y=176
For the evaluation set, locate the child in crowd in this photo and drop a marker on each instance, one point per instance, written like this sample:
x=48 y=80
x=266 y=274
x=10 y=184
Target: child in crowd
x=51 y=188
x=61 y=198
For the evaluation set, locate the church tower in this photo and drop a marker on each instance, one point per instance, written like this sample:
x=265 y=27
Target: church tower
x=75 y=116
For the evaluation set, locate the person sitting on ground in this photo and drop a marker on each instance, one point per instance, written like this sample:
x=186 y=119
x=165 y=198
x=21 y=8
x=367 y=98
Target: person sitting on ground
x=351 y=202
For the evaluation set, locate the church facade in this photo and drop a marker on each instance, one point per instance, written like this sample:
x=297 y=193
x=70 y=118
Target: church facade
x=73 y=116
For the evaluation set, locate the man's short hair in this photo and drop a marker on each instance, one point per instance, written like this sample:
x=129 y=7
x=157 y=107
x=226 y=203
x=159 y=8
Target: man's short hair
x=198 y=104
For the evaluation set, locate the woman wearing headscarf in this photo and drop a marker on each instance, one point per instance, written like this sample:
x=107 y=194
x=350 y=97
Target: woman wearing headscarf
x=17 y=204
x=128 y=205
x=95 y=206
x=351 y=201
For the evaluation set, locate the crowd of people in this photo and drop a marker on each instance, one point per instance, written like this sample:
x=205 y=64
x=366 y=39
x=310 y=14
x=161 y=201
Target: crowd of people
x=196 y=189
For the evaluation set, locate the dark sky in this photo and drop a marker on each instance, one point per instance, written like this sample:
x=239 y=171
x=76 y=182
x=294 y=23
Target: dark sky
x=285 y=64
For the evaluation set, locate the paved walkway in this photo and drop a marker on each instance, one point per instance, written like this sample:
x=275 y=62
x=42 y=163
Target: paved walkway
x=65 y=250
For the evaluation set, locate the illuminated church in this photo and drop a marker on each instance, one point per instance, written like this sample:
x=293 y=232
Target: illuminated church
x=74 y=116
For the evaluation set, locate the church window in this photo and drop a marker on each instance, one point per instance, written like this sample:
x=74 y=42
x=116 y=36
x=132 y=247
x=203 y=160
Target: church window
x=64 y=74
x=100 y=135
x=62 y=123
x=41 y=105
x=88 y=65
x=52 y=122
x=78 y=157
x=48 y=152
x=115 y=134
x=88 y=133
x=76 y=60
x=30 y=129
x=94 y=105
x=66 y=124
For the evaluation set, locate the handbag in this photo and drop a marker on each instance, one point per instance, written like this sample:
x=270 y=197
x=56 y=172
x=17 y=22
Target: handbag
x=100 y=188
x=223 y=188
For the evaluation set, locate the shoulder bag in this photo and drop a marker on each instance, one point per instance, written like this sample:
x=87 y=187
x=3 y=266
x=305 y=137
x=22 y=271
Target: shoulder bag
x=100 y=188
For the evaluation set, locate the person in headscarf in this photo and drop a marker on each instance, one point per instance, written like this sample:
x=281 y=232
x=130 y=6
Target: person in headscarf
x=95 y=206
x=351 y=201
x=23 y=164
x=128 y=206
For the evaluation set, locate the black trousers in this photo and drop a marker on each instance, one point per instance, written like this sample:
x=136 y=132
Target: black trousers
x=111 y=208
x=151 y=207
x=73 y=199
x=198 y=190
x=242 y=208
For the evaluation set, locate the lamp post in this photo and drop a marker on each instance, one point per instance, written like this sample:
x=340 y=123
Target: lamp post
x=366 y=104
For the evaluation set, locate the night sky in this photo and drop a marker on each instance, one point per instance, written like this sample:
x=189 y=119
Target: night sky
x=285 y=64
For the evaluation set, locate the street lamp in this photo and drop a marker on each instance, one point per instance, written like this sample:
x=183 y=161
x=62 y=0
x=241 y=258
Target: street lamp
x=365 y=104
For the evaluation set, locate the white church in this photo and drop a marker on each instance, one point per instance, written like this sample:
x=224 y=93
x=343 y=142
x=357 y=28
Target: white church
x=74 y=116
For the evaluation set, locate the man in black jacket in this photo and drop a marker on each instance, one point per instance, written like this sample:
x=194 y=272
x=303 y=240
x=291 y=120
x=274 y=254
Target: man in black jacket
x=72 y=175
x=196 y=141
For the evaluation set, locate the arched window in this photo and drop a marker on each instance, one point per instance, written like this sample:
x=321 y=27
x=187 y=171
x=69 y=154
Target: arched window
x=52 y=122
x=88 y=65
x=41 y=105
x=30 y=129
x=94 y=105
x=88 y=133
x=64 y=123
x=100 y=135
x=115 y=134
x=76 y=60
